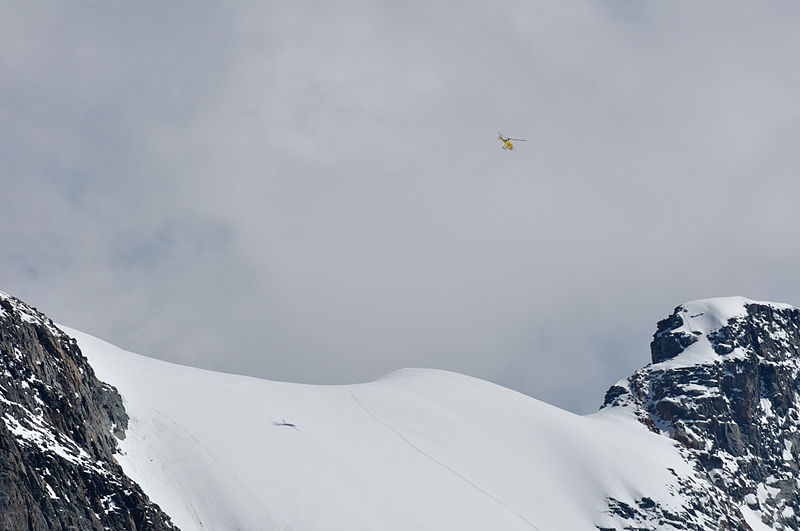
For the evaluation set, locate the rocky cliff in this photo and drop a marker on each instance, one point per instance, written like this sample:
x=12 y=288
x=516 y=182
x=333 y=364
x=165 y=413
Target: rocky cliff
x=724 y=383
x=58 y=430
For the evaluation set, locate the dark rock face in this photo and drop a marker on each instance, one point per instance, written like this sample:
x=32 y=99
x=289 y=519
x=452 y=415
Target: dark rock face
x=667 y=343
x=58 y=430
x=736 y=412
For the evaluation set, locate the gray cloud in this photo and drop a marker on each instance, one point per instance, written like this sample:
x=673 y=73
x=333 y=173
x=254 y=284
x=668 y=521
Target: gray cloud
x=315 y=192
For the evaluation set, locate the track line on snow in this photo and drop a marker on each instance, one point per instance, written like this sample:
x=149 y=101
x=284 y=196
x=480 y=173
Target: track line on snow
x=270 y=515
x=441 y=464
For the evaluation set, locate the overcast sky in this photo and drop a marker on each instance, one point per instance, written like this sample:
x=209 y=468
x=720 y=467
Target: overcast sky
x=315 y=191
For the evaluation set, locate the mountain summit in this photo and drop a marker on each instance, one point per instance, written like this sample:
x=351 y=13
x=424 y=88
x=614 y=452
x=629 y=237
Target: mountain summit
x=723 y=382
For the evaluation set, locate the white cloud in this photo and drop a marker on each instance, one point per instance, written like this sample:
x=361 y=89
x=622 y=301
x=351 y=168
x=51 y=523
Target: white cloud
x=315 y=192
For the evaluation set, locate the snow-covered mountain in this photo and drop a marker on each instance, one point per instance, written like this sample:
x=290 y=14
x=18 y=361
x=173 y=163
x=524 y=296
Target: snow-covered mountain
x=705 y=437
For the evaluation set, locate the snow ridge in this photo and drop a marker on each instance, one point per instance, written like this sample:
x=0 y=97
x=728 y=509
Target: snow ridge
x=422 y=449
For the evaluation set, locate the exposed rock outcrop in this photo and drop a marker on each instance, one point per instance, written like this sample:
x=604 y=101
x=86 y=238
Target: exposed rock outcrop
x=58 y=433
x=724 y=384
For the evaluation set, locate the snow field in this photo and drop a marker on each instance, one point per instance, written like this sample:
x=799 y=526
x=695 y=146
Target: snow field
x=418 y=449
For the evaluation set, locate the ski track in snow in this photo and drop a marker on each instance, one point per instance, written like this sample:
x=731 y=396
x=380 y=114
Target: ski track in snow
x=440 y=463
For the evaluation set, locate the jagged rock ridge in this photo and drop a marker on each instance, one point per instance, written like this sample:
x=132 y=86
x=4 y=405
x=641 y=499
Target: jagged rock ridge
x=58 y=430
x=723 y=382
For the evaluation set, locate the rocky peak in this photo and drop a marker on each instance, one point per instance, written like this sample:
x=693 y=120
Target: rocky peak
x=58 y=433
x=724 y=383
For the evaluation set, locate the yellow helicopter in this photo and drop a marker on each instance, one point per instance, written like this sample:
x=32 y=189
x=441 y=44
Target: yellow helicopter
x=507 y=141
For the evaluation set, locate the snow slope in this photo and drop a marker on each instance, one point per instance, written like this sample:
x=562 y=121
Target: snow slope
x=418 y=449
